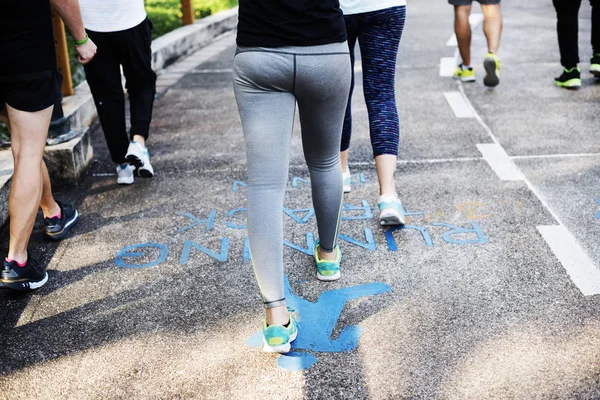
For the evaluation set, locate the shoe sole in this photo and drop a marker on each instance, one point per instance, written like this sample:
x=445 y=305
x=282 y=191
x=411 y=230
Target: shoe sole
x=467 y=80
x=347 y=189
x=491 y=78
x=24 y=286
x=329 y=278
x=139 y=166
x=391 y=217
x=595 y=72
x=128 y=181
x=570 y=84
x=284 y=348
x=65 y=231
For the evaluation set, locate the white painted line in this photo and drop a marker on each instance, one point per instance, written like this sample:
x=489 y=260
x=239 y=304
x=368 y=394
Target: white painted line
x=534 y=156
x=108 y=174
x=460 y=106
x=500 y=162
x=481 y=122
x=447 y=66
x=580 y=268
x=475 y=19
x=452 y=42
x=213 y=71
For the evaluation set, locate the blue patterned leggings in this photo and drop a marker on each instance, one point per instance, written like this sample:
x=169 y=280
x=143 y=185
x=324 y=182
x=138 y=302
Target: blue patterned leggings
x=378 y=35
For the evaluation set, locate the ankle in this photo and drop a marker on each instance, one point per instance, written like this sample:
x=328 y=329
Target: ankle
x=19 y=256
x=327 y=255
x=278 y=316
x=51 y=211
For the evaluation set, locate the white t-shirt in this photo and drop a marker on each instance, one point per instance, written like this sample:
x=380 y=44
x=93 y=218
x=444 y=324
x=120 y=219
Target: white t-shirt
x=363 y=6
x=112 y=15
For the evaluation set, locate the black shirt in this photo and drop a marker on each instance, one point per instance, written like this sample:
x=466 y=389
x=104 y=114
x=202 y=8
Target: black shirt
x=26 y=39
x=277 y=23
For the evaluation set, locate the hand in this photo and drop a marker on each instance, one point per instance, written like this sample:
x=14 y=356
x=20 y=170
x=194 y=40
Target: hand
x=86 y=51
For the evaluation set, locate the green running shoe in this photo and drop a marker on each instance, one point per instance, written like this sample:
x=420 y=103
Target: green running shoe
x=570 y=78
x=491 y=64
x=464 y=74
x=595 y=65
x=327 y=270
x=279 y=338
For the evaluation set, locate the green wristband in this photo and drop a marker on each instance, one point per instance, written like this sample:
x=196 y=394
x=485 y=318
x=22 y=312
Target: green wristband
x=84 y=41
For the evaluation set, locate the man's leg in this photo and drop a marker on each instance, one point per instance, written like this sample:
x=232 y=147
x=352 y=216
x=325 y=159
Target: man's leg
x=492 y=25
x=136 y=58
x=28 y=137
x=567 y=27
x=462 y=28
x=595 y=25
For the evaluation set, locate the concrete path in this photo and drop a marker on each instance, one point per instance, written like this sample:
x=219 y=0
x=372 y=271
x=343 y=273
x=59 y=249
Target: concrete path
x=490 y=291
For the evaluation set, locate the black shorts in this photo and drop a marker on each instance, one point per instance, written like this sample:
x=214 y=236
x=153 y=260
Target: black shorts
x=468 y=2
x=30 y=92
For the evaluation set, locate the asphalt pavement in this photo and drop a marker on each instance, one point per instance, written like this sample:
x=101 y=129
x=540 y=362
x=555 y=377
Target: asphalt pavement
x=491 y=290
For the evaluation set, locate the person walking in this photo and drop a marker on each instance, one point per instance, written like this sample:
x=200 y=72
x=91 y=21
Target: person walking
x=29 y=88
x=123 y=32
x=567 y=27
x=492 y=28
x=288 y=52
x=378 y=26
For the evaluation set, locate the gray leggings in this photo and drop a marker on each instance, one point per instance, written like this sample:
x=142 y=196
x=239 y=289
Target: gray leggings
x=267 y=85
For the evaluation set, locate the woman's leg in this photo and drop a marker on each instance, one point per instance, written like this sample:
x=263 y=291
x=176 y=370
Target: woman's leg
x=351 y=27
x=379 y=41
x=267 y=115
x=322 y=88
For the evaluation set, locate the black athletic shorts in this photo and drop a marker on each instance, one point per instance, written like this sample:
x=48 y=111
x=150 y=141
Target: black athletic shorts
x=31 y=92
x=468 y=2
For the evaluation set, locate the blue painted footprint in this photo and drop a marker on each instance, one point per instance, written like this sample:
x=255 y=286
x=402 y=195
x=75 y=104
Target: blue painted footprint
x=317 y=321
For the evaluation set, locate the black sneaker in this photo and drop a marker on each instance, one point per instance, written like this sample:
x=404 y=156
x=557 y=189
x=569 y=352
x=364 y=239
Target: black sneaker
x=595 y=65
x=29 y=277
x=58 y=228
x=570 y=78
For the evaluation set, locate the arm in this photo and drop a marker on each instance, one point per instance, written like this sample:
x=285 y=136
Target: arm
x=69 y=11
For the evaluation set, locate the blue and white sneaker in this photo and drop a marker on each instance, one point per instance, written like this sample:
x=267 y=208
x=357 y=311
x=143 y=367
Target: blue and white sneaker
x=125 y=174
x=391 y=210
x=279 y=338
x=139 y=157
x=327 y=270
x=347 y=181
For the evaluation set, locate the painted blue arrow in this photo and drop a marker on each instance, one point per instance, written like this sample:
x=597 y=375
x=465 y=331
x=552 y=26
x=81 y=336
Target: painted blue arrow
x=237 y=185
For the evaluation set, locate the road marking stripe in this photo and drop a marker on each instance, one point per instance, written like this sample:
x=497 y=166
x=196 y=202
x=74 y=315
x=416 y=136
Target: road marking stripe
x=580 y=268
x=447 y=66
x=460 y=106
x=534 y=156
x=500 y=162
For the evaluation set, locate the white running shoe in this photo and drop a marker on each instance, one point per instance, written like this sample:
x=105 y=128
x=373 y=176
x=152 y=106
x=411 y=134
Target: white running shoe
x=125 y=174
x=347 y=181
x=391 y=210
x=138 y=156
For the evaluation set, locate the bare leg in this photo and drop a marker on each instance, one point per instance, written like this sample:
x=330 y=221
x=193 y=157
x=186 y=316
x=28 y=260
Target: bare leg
x=278 y=315
x=386 y=167
x=462 y=28
x=28 y=137
x=139 y=139
x=48 y=204
x=492 y=25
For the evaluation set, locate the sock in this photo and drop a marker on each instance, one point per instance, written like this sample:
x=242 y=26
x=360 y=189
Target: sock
x=466 y=67
x=59 y=215
x=18 y=263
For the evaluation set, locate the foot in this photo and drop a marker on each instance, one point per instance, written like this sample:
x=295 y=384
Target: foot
x=570 y=78
x=125 y=174
x=347 y=181
x=391 y=210
x=327 y=270
x=279 y=338
x=57 y=228
x=23 y=277
x=138 y=156
x=464 y=74
x=595 y=65
x=491 y=64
